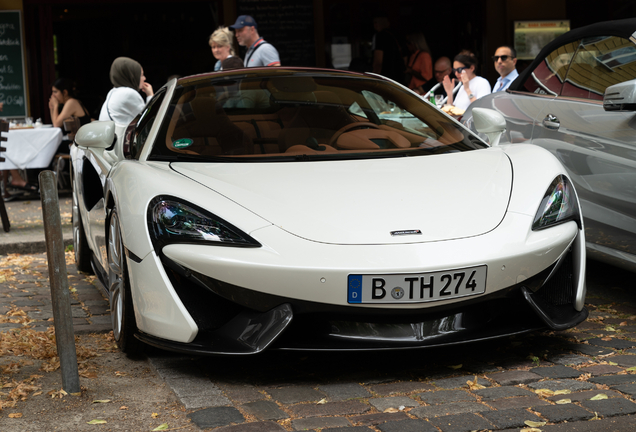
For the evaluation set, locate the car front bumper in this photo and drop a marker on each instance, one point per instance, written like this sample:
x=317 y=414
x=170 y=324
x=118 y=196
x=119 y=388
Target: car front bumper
x=238 y=320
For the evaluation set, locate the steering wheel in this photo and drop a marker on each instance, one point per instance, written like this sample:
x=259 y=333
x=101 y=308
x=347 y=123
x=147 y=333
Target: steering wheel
x=351 y=126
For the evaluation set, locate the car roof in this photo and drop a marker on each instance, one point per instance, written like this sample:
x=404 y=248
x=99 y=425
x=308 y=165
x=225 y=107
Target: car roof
x=260 y=72
x=624 y=28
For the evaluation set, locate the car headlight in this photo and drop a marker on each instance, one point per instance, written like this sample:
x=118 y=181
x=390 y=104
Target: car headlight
x=558 y=205
x=173 y=221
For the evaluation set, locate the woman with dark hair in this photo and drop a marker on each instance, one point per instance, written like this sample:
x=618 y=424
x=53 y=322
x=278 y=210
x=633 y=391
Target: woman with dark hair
x=473 y=87
x=124 y=102
x=64 y=94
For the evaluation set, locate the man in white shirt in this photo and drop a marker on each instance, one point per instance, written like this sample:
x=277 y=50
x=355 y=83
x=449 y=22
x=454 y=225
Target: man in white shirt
x=259 y=52
x=505 y=59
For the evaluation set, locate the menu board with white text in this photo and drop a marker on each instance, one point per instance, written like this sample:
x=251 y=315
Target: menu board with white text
x=288 y=25
x=12 y=79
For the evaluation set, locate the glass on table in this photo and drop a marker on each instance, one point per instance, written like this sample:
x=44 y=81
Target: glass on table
x=438 y=100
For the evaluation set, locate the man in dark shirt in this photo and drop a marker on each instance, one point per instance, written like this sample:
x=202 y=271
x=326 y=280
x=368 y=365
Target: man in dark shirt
x=389 y=51
x=441 y=68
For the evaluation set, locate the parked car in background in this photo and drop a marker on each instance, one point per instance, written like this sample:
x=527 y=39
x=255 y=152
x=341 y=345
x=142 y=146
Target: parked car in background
x=309 y=209
x=578 y=100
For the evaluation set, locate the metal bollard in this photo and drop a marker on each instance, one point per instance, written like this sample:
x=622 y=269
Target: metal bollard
x=58 y=278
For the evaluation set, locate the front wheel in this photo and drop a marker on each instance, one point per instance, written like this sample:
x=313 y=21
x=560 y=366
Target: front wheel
x=80 y=244
x=121 y=304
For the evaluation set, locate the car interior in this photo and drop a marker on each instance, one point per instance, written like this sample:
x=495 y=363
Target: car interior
x=293 y=116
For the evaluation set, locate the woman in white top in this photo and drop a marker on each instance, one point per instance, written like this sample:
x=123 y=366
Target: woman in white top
x=221 y=43
x=124 y=102
x=473 y=87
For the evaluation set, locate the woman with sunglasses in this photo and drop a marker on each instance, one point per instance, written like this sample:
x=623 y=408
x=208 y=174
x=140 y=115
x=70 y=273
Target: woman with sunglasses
x=473 y=87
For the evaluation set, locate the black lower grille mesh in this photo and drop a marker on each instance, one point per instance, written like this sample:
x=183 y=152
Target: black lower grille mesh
x=559 y=290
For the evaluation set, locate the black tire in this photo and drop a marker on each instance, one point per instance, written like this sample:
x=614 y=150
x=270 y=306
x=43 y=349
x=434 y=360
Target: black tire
x=80 y=245
x=121 y=304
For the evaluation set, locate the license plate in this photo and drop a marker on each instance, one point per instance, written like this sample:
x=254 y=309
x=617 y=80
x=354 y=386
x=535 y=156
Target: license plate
x=417 y=287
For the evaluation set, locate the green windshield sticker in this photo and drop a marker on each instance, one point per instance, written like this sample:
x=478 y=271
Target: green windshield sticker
x=182 y=143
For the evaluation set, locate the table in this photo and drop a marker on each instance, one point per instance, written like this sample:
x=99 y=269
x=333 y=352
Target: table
x=30 y=148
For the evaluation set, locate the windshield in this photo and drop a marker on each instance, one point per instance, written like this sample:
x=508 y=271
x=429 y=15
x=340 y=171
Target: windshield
x=292 y=116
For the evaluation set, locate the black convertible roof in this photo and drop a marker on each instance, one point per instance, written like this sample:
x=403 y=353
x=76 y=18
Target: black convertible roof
x=624 y=28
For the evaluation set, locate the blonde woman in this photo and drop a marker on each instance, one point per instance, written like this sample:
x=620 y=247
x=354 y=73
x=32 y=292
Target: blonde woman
x=221 y=43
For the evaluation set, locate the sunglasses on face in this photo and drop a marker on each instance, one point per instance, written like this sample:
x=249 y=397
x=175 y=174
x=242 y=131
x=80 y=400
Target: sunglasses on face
x=503 y=58
x=459 y=70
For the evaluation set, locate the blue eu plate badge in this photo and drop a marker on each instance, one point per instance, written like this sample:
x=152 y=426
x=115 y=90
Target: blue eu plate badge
x=355 y=289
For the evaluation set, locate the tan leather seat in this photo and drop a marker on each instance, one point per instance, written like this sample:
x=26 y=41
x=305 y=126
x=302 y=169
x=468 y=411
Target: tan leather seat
x=212 y=132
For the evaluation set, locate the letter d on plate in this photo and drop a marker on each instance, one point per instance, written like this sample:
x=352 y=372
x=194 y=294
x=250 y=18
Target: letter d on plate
x=355 y=289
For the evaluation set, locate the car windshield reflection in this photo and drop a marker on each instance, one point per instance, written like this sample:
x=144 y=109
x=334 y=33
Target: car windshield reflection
x=298 y=117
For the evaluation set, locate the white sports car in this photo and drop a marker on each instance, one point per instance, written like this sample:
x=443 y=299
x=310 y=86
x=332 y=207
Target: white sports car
x=310 y=209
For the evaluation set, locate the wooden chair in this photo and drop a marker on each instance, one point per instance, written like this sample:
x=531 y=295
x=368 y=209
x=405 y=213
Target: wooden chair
x=6 y=225
x=71 y=126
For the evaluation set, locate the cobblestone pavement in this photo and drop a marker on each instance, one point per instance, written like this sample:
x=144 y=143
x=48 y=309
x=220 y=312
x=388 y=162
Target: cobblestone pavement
x=582 y=379
x=24 y=284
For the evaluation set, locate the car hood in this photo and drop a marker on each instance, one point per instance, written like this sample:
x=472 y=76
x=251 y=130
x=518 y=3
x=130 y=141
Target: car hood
x=377 y=201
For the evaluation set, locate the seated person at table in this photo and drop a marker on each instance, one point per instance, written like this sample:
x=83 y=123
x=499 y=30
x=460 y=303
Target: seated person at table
x=442 y=68
x=63 y=93
x=124 y=102
x=473 y=87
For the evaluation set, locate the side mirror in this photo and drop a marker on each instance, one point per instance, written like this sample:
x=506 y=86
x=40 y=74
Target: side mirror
x=620 y=97
x=99 y=134
x=489 y=122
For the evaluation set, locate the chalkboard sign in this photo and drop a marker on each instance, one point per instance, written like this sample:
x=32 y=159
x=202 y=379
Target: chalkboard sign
x=12 y=81
x=288 y=25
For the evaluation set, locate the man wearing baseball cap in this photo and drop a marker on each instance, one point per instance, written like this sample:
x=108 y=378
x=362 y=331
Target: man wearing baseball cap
x=259 y=52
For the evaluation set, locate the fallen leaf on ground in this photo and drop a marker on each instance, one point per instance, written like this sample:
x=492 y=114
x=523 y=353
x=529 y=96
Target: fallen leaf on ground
x=322 y=401
x=391 y=410
x=15 y=415
x=472 y=385
x=455 y=366
x=101 y=401
x=544 y=392
x=161 y=427
x=563 y=391
x=599 y=396
x=57 y=393
x=564 y=401
x=533 y=424
x=154 y=415
x=97 y=422
x=584 y=377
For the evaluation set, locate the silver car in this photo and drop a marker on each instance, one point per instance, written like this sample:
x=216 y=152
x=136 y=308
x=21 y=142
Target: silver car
x=578 y=100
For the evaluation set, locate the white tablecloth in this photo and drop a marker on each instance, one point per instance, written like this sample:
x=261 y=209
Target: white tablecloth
x=30 y=148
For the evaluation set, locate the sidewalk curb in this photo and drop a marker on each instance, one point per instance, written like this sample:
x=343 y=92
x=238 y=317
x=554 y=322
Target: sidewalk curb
x=30 y=247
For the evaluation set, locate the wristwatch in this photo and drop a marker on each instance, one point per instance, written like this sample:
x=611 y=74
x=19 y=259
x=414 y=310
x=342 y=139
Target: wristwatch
x=470 y=96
